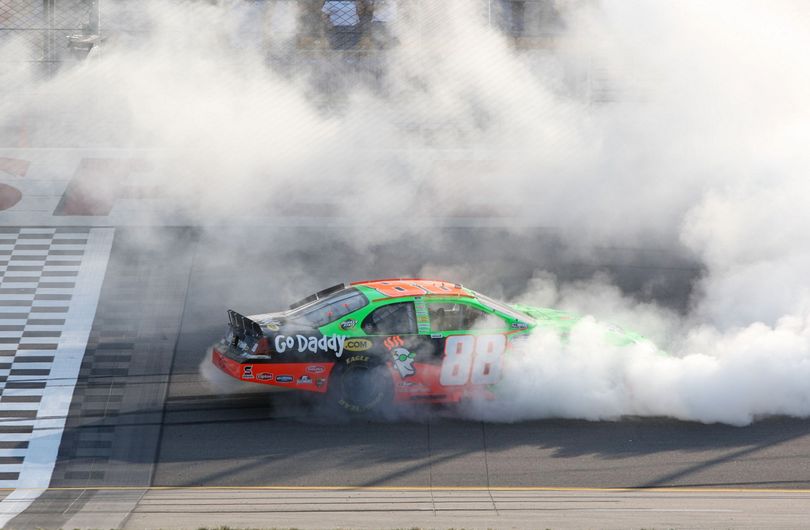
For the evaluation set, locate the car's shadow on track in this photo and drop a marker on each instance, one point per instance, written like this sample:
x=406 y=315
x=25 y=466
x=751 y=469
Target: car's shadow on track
x=400 y=445
x=282 y=439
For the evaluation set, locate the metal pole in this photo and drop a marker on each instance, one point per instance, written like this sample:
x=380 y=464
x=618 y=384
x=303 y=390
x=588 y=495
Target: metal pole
x=94 y=23
x=48 y=48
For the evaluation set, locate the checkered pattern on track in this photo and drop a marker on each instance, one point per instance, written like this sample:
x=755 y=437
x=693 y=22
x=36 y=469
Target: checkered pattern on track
x=39 y=272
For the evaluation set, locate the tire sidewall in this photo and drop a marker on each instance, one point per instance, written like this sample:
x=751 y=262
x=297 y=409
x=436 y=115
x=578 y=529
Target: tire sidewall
x=360 y=365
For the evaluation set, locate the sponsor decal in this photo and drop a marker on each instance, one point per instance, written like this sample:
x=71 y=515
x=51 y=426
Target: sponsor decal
x=357 y=344
x=272 y=325
x=302 y=344
x=304 y=380
x=284 y=379
x=320 y=382
x=394 y=288
x=264 y=377
x=357 y=358
x=247 y=371
x=519 y=325
x=348 y=324
x=412 y=387
x=403 y=359
x=393 y=342
x=518 y=343
x=422 y=317
x=315 y=369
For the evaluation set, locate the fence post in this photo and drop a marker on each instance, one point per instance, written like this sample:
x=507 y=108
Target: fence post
x=48 y=46
x=94 y=23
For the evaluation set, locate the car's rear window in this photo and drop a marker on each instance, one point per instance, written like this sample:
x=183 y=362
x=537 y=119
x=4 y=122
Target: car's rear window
x=329 y=309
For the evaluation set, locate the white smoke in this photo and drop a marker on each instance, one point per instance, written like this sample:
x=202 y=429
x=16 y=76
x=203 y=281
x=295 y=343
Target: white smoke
x=723 y=106
x=734 y=376
x=675 y=125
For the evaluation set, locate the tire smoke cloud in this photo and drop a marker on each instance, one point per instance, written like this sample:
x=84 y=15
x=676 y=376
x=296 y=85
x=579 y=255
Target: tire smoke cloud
x=680 y=125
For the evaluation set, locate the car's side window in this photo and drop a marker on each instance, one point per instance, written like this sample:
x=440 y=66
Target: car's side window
x=450 y=316
x=391 y=319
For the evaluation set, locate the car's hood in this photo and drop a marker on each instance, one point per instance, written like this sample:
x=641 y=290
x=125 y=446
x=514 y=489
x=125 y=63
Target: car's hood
x=563 y=321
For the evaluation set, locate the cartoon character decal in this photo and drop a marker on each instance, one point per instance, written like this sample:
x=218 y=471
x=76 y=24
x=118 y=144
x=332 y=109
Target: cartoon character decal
x=403 y=361
x=402 y=358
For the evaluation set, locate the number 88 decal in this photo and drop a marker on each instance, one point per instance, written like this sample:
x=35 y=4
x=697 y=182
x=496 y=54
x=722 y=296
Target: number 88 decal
x=472 y=359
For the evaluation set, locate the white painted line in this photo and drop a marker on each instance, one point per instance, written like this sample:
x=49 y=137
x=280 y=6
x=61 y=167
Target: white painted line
x=40 y=340
x=15 y=437
x=20 y=392
x=13 y=452
x=28 y=230
x=20 y=406
x=29 y=252
x=36 y=471
x=30 y=378
x=66 y=246
x=20 y=296
x=27 y=262
x=50 y=303
x=54 y=290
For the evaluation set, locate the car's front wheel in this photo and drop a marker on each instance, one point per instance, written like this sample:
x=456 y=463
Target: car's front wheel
x=361 y=383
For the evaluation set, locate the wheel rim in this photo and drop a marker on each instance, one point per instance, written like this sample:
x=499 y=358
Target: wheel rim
x=362 y=387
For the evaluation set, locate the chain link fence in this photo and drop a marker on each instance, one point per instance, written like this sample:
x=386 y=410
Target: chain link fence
x=56 y=30
x=46 y=32
x=339 y=43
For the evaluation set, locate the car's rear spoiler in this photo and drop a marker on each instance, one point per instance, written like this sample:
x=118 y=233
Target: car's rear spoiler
x=243 y=326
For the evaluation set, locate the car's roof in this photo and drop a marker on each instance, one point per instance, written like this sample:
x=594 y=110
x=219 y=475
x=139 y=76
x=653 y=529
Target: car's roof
x=401 y=287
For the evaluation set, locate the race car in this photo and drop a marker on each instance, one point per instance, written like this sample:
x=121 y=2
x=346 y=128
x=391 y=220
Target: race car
x=370 y=343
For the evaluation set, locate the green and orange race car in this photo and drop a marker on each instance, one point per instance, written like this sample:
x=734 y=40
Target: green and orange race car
x=373 y=342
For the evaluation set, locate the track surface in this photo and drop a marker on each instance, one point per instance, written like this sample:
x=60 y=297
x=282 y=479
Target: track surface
x=177 y=293
x=260 y=439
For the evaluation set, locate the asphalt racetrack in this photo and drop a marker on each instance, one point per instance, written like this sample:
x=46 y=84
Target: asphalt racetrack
x=143 y=417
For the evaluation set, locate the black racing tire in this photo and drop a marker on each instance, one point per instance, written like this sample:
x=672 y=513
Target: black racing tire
x=361 y=383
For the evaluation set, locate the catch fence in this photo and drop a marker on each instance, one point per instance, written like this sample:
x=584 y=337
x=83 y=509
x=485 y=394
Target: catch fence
x=46 y=32
x=51 y=32
x=39 y=38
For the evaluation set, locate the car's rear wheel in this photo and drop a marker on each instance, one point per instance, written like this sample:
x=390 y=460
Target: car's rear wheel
x=361 y=384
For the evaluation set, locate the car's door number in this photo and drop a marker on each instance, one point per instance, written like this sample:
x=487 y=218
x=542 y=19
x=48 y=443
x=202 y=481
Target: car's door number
x=473 y=359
